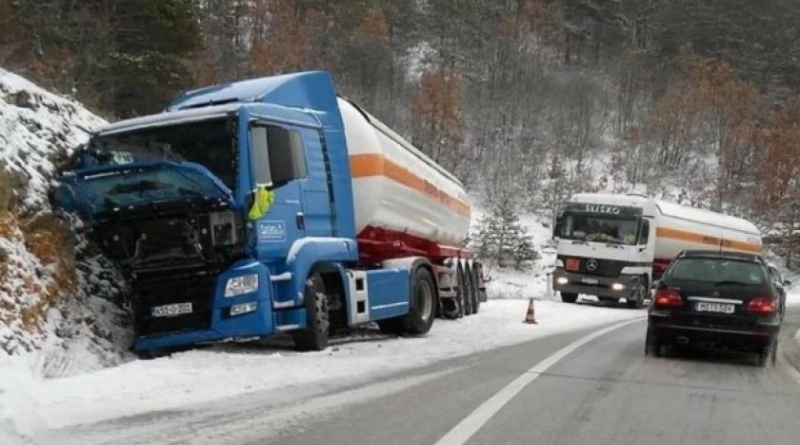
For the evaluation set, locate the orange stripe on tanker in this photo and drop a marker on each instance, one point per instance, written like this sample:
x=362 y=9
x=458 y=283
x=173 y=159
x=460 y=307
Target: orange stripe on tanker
x=665 y=232
x=374 y=164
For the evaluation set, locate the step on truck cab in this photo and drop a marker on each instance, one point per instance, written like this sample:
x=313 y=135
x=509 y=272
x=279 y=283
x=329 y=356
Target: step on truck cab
x=614 y=246
x=272 y=205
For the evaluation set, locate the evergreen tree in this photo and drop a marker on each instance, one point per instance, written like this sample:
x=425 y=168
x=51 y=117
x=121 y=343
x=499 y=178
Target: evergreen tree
x=500 y=239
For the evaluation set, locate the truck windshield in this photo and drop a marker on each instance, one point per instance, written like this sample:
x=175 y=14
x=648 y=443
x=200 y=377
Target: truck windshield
x=209 y=143
x=600 y=228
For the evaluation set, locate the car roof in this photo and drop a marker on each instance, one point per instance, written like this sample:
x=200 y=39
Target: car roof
x=719 y=254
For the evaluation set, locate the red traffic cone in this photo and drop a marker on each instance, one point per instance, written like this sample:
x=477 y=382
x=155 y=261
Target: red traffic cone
x=530 y=317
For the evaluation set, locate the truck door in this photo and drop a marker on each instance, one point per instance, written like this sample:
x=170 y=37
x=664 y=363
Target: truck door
x=642 y=254
x=317 y=215
x=278 y=168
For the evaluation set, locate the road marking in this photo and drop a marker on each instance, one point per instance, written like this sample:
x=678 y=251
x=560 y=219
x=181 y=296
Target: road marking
x=465 y=429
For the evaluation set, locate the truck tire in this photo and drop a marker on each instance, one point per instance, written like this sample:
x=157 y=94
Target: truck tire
x=472 y=279
x=638 y=295
x=315 y=336
x=567 y=297
x=464 y=298
x=423 y=303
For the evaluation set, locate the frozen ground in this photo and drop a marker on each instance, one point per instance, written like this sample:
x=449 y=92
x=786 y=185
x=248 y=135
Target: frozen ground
x=30 y=405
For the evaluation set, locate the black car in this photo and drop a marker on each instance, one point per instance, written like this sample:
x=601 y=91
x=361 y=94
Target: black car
x=717 y=299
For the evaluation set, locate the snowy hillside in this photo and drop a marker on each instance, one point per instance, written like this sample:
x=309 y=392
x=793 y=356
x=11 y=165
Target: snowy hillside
x=58 y=307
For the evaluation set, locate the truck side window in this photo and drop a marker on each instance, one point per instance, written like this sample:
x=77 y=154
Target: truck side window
x=644 y=236
x=278 y=155
x=258 y=145
x=286 y=157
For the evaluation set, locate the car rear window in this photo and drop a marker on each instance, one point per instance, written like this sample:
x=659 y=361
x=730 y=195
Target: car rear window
x=713 y=270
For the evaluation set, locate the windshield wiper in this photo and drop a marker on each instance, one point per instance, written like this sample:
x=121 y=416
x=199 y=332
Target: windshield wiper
x=730 y=282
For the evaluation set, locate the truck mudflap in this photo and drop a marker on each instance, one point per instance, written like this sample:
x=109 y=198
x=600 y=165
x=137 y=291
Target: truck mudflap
x=599 y=286
x=241 y=309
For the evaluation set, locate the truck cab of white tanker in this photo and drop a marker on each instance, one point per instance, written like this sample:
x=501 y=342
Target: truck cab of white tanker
x=614 y=246
x=605 y=247
x=239 y=212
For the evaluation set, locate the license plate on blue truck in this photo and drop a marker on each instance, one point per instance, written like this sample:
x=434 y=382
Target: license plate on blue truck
x=172 y=310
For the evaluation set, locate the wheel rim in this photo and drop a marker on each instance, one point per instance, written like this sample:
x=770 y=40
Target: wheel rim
x=424 y=300
x=322 y=313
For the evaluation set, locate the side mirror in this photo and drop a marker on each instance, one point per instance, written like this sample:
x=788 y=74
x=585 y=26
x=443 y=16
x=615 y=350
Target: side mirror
x=655 y=284
x=557 y=227
x=249 y=200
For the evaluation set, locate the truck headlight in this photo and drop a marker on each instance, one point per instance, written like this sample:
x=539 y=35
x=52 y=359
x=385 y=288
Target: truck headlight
x=617 y=286
x=244 y=308
x=562 y=280
x=244 y=284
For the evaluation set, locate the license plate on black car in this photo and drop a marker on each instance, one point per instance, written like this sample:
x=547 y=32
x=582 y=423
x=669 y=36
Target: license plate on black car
x=720 y=308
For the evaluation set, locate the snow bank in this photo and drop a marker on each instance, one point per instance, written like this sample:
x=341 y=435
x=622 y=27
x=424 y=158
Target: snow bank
x=59 y=301
x=198 y=376
x=36 y=127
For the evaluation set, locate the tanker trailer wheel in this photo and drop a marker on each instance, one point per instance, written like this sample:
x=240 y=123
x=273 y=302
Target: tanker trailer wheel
x=423 y=303
x=315 y=336
x=465 y=295
x=638 y=294
x=567 y=297
x=472 y=283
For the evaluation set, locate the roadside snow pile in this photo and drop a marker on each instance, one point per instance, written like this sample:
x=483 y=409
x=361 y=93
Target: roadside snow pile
x=59 y=307
x=187 y=379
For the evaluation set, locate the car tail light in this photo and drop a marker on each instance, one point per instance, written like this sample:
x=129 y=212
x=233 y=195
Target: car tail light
x=762 y=305
x=667 y=298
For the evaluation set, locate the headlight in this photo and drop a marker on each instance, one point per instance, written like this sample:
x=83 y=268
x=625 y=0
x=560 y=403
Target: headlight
x=244 y=308
x=618 y=286
x=241 y=285
x=562 y=280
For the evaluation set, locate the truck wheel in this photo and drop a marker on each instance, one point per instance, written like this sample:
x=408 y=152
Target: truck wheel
x=464 y=297
x=472 y=280
x=315 y=336
x=423 y=303
x=567 y=297
x=638 y=293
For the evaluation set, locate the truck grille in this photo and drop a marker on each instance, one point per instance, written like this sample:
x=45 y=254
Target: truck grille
x=603 y=268
x=199 y=291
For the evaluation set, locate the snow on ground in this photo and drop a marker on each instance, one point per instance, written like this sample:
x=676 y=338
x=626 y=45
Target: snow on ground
x=228 y=370
x=35 y=126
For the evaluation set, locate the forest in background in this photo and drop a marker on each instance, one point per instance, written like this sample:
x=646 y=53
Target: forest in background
x=527 y=101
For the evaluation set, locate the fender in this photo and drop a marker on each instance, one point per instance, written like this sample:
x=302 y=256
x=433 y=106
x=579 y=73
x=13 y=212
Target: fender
x=305 y=253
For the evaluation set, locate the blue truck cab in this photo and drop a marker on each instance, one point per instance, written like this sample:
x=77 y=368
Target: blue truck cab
x=231 y=214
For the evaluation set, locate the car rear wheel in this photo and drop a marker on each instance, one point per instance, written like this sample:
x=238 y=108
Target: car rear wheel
x=567 y=297
x=768 y=354
x=652 y=345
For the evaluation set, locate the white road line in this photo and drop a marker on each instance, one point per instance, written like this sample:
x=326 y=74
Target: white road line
x=465 y=429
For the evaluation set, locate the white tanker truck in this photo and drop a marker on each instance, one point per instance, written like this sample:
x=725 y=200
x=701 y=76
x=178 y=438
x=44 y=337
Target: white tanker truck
x=614 y=246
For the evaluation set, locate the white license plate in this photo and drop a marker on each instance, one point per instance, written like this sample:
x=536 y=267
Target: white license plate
x=722 y=308
x=589 y=281
x=171 y=310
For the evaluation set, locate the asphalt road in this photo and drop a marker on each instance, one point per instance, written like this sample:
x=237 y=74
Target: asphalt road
x=603 y=391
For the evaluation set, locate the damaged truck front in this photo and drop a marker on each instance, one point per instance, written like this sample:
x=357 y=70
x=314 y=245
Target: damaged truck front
x=233 y=216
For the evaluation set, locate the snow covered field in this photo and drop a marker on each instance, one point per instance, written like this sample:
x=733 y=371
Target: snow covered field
x=29 y=405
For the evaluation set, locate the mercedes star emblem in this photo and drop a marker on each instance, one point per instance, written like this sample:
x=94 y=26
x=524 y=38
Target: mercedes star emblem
x=591 y=265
